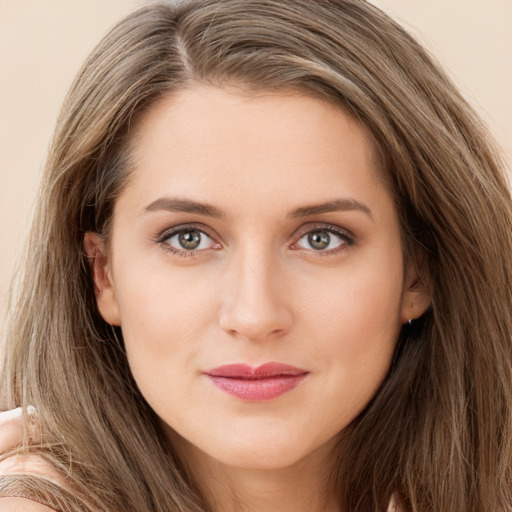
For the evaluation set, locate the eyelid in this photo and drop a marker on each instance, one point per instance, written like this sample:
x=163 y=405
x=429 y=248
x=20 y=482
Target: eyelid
x=303 y=230
x=174 y=230
x=168 y=232
x=343 y=233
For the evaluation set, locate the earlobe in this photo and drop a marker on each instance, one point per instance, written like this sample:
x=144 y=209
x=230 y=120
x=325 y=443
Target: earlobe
x=417 y=296
x=102 y=279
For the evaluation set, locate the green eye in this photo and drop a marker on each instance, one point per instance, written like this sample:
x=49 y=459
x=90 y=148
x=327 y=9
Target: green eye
x=188 y=240
x=319 y=240
x=323 y=240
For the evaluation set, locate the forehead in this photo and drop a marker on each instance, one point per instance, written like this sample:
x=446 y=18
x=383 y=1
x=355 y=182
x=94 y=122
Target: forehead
x=219 y=142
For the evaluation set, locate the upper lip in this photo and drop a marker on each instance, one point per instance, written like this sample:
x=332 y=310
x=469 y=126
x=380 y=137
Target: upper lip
x=244 y=371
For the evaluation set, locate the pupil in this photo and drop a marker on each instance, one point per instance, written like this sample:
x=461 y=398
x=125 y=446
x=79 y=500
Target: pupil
x=319 y=240
x=190 y=239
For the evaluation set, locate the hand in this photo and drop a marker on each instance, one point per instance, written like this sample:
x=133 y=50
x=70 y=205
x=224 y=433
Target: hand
x=11 y=429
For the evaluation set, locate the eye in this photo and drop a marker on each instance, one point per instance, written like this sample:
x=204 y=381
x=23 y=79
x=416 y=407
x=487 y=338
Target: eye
x=187 y=240
x=324 y=240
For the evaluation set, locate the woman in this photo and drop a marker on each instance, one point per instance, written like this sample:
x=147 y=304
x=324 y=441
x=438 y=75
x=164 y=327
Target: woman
x=270 y=269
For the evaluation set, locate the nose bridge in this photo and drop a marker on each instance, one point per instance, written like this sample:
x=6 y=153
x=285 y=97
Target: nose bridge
x=254 y=305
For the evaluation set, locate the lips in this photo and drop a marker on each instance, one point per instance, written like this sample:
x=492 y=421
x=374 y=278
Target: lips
x=263 y=383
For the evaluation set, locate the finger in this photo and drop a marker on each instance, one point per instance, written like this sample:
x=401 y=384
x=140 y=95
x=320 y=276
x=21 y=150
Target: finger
x=11 y=428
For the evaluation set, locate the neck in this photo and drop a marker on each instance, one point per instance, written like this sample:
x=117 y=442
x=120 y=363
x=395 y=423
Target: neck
x=300 y=487
x=250 y=490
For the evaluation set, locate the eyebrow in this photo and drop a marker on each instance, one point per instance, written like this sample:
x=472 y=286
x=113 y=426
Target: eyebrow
x=189 y=206
x=186 y=206
x=335 y=205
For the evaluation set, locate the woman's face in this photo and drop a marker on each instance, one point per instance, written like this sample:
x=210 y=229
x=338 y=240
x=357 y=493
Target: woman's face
x=255 y=230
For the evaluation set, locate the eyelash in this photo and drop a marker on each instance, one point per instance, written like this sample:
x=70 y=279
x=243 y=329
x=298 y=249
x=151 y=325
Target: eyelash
x=347 y=238
x=165 y=236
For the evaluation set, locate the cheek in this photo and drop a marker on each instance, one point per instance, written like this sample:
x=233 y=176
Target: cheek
x=361 y=301
x=165 y=316
x=354 y=321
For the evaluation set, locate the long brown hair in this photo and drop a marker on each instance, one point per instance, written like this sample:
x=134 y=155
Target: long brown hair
x=438 y=434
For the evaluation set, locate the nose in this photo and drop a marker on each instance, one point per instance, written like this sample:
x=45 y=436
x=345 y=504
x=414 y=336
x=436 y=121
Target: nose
x=255 y=304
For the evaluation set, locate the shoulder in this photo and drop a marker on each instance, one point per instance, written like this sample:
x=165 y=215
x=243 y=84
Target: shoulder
x=22 y=505
x=26 y=482
x=30 y=464
x=29 y=482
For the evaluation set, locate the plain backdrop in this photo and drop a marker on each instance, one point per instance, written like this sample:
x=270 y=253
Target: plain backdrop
x=44 y=42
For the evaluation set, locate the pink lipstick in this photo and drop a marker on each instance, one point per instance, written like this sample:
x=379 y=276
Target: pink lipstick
x=263 y=383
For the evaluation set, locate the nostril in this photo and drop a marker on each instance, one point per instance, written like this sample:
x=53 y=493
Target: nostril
x=255 y=328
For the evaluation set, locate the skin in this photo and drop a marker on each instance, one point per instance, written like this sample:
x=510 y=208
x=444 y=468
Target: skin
x=256 y=290
x=11 y=436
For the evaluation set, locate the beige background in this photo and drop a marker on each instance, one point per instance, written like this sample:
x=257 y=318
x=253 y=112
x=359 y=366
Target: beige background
x=43 y=43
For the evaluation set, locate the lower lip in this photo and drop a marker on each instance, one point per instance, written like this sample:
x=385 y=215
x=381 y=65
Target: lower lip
x=257 y=390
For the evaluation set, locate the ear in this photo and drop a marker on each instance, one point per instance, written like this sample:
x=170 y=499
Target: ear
x=417 y=295
x=101 y=275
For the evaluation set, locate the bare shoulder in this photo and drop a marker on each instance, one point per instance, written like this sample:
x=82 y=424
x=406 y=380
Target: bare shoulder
x=31 y=464
x=16 y=493
x=30 y=483
x=22 y=505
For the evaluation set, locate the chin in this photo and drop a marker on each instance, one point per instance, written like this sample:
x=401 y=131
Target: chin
x=259 y=459
x=266 y=452
x=254 y=445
